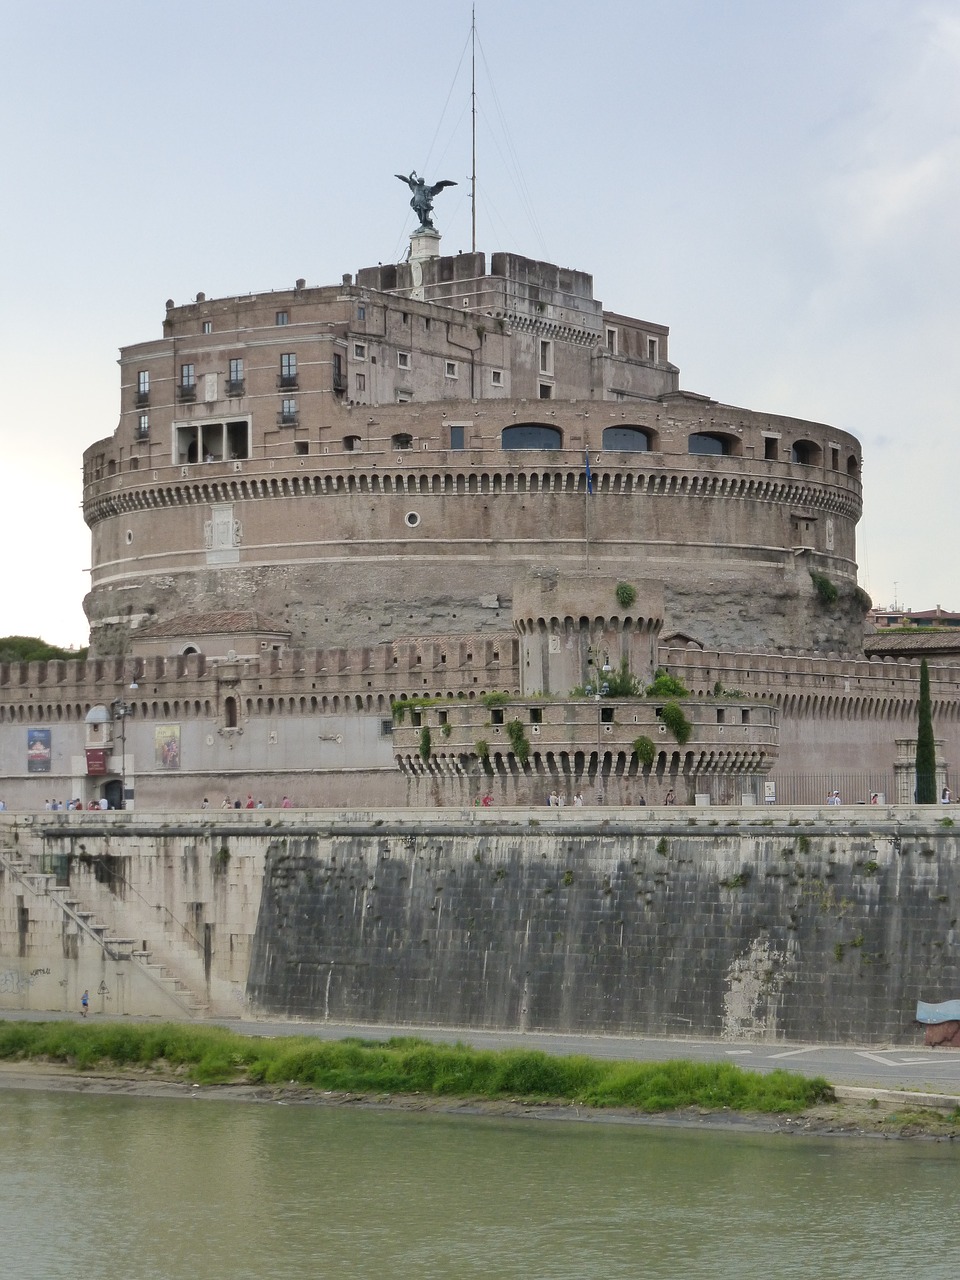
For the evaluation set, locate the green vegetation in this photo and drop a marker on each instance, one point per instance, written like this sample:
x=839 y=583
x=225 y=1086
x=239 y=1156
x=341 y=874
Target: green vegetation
x=622 y=684
x=667 y=686
x=490 y=700
x=644 y=750
x=425 y=743
x=215 y=1055
x=518 y=741
x=626 y=594
x=863 y=599
x=827 y=593
x=926 y=747
x=33 y=649
x=671 y=713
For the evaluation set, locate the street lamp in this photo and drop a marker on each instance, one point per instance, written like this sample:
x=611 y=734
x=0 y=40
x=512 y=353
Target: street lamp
x=598 y=690
x=121 y=710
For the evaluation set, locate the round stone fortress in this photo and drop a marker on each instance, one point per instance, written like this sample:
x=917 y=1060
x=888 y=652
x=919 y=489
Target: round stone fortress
x=385 y=458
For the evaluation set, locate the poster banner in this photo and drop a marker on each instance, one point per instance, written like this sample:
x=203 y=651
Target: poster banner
x=39 y=751
x=166 y=738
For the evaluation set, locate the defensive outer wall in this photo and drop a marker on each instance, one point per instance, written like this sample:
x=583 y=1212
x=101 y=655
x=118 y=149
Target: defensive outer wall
x=818 y=925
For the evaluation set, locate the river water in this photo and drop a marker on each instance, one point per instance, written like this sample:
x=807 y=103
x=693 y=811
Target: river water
x=171 y=1189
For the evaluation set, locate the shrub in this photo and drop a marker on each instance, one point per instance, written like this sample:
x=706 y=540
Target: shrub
x=644 y=750
x=622 y=683
x=424 y=743
x=626 y=594
x=518 y=741
x=672 y=716
x=667 y=686
x=827 y=593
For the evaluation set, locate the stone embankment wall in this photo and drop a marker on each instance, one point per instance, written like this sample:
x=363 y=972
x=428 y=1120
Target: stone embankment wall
x=822 y=925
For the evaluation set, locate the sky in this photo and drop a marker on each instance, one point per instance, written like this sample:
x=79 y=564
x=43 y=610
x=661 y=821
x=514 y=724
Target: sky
x=776 y=180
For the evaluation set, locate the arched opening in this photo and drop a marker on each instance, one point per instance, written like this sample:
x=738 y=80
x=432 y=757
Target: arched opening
x=711 y=444
x=230 y=712
x=805 y=452
x=531 y=435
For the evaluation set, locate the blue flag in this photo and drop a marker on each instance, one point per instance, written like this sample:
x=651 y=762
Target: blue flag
x=586 y=462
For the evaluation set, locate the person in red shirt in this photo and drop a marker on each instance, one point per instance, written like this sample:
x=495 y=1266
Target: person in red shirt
x=249 y=804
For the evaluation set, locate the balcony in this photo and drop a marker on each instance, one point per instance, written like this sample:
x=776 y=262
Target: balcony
x=339 y=384
x=187 y=393
x=236 y=386
x=288 y=382
x=142 y=433
x=142 y=399
x=288 y=419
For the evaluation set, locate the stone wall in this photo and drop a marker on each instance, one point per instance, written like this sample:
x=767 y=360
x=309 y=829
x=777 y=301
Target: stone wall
x=821 y=925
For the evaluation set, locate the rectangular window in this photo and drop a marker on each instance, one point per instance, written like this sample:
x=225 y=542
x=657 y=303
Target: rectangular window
x=187 y=390
x=404 y=317
x=288 y=413
x=456 y=437
x=450 y=369
x=281 y=317
x=208 y=326
x=771 y=448
x=403 y=359
x=143 y=386
x=652 y=350
x=496 y=377
x=288 y=369
x=546 y=357
x=612 y=341
x=546 y=391
x=361 y=312
x=235 y=380
x=361 y=382
x=143 y=426
x=301 y=446
x=359 y=351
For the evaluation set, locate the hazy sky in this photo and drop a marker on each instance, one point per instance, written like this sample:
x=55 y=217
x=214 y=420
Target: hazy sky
x=777 y=181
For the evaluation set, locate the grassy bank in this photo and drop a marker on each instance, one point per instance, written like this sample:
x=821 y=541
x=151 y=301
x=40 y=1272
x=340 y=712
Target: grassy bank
x=213 y=1055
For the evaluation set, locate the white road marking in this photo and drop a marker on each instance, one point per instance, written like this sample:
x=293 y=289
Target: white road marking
x=900 y=1062
x=793 y=1053
x=738 y=1053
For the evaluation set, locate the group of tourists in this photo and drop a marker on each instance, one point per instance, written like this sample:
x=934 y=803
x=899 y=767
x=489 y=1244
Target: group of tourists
x=250 y=803
x=55 y=806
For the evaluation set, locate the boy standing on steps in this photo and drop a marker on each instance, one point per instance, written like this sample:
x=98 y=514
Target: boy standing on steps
x=84 y=1003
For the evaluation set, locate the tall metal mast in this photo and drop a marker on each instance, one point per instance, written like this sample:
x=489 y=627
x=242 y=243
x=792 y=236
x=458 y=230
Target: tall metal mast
x=473 y=124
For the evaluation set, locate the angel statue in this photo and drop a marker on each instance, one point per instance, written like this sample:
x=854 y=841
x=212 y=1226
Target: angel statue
x=422 y=201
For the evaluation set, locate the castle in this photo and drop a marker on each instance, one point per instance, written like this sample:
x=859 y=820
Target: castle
x=466 y=485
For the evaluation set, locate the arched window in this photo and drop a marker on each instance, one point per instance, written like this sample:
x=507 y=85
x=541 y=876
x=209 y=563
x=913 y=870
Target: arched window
x=352 y=443
x=402 y=441
x=230 y=712
x=703 y=442
x=531 y=435
x=626 y=439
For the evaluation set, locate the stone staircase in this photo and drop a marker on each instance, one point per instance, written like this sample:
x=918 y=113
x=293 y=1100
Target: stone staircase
x=43 y=884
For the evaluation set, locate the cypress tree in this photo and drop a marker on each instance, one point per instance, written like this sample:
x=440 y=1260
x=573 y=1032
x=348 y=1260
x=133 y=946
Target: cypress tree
x=926 y=748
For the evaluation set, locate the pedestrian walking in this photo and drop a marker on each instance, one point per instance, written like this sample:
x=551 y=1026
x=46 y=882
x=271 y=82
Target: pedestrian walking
x=84 y=1003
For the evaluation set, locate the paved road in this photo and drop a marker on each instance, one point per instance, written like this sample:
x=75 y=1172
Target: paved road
x=914 y=1068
